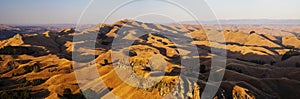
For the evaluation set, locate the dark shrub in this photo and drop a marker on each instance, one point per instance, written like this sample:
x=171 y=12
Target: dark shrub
x=202 y=68
x=23 y=80
x=28 y=69
x=289 y=54
x=15 y=94
x=290 y=47
x=105 y=61
x=24 y=83
x=69 y=95
x=252 y=32
x=16 y=50
x=67 y=91
x=37 y=82
x=132 y=53
x=27 y=83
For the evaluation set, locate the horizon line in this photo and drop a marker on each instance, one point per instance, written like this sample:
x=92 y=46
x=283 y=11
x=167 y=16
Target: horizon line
x=219 y=20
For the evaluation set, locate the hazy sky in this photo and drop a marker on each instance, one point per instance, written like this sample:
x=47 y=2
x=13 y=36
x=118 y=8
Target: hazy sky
x=69 y=11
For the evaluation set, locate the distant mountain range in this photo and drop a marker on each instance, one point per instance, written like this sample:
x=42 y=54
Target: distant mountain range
x=250 y=21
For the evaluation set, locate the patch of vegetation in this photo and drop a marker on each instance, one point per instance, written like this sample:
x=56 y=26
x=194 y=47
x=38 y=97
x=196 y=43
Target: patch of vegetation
x=255 y=61
x=67 y=91
x=71 y=66
x=22 y=80
x=12 y=64
x=290 y=47
x=55 y=69
x=105 y=62
x=24 y=83
x=132 y=53
x=27 y=83
x=252 y=32
x=35 y=68
x=28 y=69
x=37 y=82
x=6 y=70
x=23 y=61
x=16 y=50
x=15 y=94
x=69 y=95
x=290 y=54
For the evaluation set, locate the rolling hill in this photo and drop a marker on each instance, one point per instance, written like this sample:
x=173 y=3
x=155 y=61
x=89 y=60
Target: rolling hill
x=40 y=65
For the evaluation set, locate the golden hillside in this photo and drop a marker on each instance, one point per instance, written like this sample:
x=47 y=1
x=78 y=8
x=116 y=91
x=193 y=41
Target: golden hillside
x=41 y=65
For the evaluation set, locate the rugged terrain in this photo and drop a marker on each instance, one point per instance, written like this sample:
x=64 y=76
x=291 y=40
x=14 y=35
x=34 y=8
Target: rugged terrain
x=40 y=65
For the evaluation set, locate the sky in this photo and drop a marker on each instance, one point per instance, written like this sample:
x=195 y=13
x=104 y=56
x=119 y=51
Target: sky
x=109 y=11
